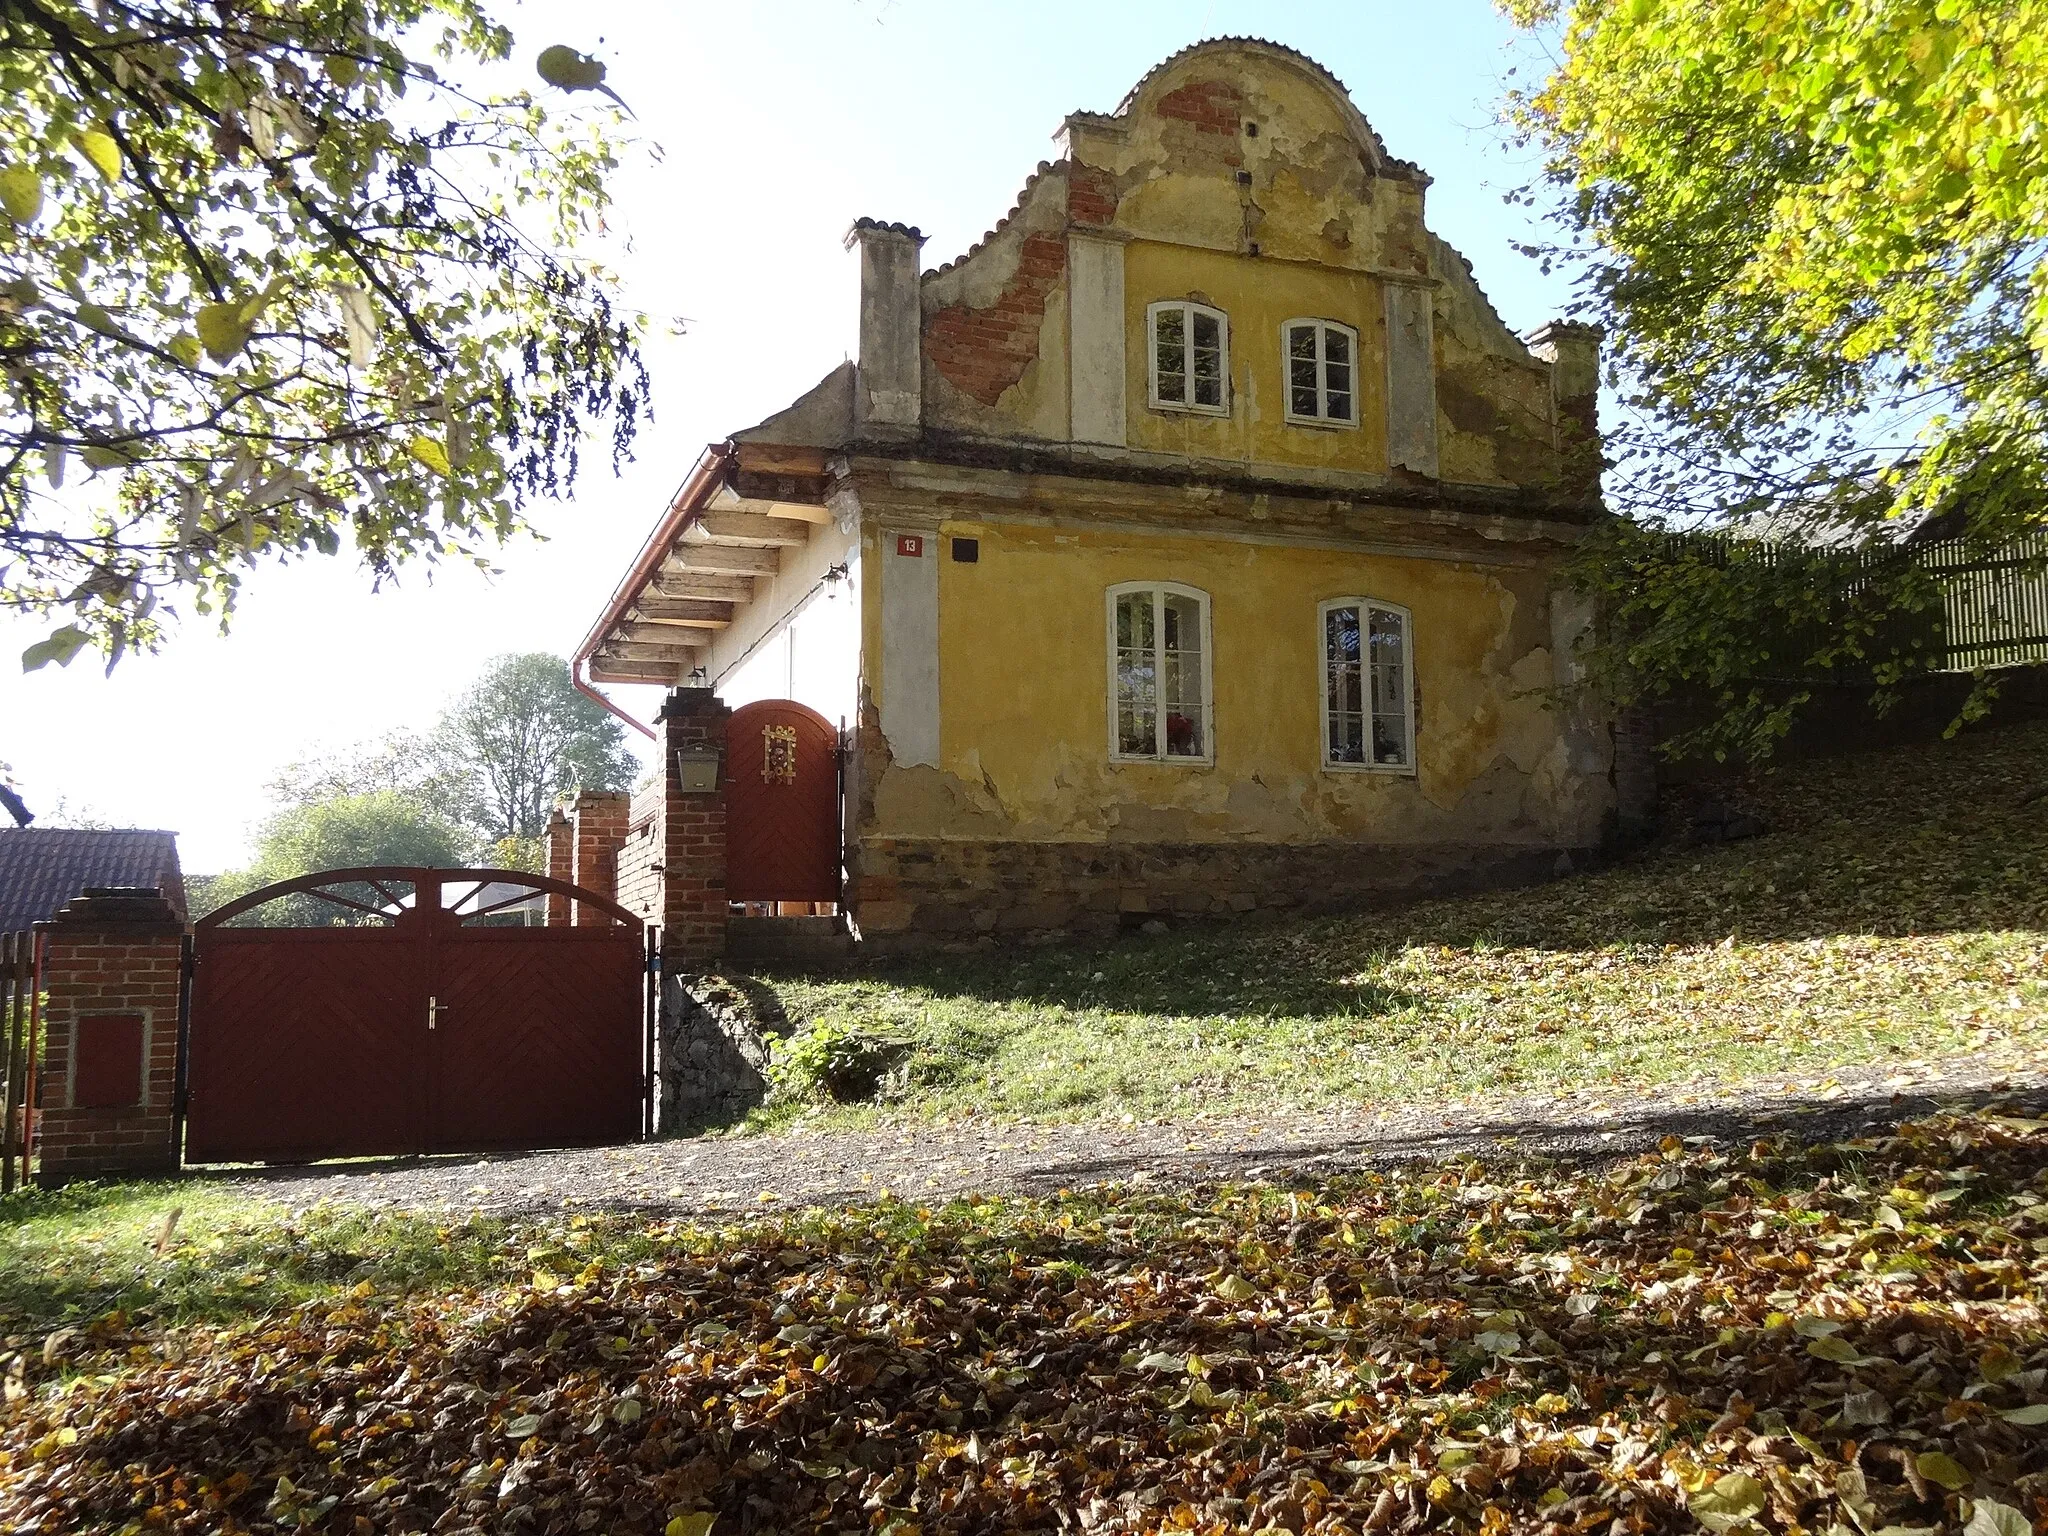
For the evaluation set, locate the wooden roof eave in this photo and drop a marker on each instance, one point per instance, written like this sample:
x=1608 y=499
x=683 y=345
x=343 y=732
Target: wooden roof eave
x=741 y=505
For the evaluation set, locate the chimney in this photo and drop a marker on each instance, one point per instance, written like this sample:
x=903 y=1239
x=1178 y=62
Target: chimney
x=1573 y=352
x=888 y=392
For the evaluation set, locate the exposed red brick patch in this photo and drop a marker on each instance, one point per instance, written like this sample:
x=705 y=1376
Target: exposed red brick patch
x=1091 y=195
x=982 y=352
x=1213 y=106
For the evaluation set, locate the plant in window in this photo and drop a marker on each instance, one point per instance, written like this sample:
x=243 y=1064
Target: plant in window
x=1368 y=701
x=1159 y=674
x=1190 y=357
x=1321 y=371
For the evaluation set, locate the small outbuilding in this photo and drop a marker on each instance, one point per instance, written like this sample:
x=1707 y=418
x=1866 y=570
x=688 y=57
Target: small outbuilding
x=41 y=868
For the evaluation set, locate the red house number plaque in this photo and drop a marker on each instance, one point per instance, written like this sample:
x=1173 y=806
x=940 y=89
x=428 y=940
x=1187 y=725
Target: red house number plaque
x=911 y=544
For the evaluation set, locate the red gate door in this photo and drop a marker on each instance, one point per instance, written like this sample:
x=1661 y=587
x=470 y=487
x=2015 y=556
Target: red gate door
x=781 y=804
x=424 y=1027
x=538 y=1037
x=305 y=1044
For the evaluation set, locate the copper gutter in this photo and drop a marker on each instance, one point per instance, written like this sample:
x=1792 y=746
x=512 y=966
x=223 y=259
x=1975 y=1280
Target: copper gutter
x=705 y=475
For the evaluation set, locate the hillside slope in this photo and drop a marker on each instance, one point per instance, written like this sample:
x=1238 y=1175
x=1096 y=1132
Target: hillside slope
x=1896 y=912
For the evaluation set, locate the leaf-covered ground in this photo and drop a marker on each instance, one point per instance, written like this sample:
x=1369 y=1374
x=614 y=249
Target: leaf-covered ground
x=1898 y=909
x=1759 y=1337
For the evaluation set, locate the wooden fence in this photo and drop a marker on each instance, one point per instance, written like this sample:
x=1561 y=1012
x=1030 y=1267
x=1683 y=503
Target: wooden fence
x=20 y=1024
x=1994 y=604
x=1995 y=607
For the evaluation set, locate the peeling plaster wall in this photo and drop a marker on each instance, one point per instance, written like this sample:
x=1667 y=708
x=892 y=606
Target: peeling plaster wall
x=1023 y=740
x=1239 y=175
x=995 y=325
x=1259 y=297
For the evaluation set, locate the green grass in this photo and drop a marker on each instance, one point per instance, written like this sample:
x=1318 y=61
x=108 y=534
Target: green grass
x=88 y=1250
x=1897 y=912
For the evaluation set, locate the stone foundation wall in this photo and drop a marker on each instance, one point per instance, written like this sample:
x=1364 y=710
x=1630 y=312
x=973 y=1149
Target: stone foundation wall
x=923 y=893
x=714 y=1058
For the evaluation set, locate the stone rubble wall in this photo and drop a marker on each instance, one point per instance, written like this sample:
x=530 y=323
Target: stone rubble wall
x=714 y=1056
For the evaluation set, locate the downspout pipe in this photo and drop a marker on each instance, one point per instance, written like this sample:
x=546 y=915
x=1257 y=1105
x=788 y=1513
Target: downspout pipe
x=589 y=690
x=705 y=476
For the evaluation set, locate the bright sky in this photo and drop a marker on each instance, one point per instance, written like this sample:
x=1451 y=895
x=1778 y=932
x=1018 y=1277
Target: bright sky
x=779 y=123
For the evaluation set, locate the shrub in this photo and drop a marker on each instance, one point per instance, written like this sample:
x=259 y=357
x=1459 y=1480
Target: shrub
x=838 y=1060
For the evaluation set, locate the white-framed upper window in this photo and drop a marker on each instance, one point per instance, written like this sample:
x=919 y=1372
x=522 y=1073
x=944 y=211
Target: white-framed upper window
x=1368 y=685
x=1160 y=704
x=1322 y=372
x=1190 y=355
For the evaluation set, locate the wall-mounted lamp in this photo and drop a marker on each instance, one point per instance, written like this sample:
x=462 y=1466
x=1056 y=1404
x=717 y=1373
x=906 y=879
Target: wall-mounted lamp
x=697 y=772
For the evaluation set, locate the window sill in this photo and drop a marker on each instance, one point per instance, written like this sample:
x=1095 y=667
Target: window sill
x=1116 y=761
x=1405 y=771
x=1321 y=423
x=1168 y=408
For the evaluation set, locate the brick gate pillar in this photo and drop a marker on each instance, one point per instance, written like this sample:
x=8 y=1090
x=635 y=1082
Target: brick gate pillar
x=693 y=860
x=599 y=821
x=110 y=1067
x=561 y=865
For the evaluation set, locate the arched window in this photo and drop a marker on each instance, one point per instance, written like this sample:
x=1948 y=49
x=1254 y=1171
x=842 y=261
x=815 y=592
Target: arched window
x=1190 y=353
x=1322 y=373
x=1368 y=685
x=1159 y=699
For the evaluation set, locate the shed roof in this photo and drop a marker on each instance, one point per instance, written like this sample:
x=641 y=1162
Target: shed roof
x=41 y=868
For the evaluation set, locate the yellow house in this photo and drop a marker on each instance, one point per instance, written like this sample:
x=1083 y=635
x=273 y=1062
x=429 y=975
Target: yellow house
x=1189 y=545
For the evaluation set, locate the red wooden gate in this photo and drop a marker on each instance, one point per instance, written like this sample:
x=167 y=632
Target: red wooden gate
x=422 y=1025
x=781 y=804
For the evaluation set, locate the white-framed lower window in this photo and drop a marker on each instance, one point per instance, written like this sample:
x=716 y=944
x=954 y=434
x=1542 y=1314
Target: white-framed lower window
x=1159 y=691
x=1322 y=372
x=1368 y=685
x=1190 y=357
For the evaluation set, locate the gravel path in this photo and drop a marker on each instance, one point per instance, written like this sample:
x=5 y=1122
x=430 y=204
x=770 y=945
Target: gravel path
x=730 y=1173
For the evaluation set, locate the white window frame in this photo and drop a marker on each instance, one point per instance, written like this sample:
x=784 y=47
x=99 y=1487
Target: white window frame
x=1160 y=591
x=1364 y=605
x=1189 y=309
x=1323 y=328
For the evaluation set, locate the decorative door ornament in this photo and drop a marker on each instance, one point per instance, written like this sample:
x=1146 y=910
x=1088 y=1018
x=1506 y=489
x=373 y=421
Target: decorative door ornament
x=778 y=754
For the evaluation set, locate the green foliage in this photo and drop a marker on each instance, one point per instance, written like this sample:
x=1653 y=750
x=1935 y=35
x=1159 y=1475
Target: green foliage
x=831 y=1058
x=1813 y=234
x=520 y=737
x=274 y=279
x=1748 y=629
x=348 y=832
x=527 y=853
x=505 y=749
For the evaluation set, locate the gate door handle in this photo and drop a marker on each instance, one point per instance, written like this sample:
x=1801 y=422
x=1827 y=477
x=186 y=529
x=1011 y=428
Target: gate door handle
x=435 y=1008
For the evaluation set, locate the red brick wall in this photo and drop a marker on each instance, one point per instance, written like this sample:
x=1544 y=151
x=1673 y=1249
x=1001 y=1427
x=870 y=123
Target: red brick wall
x=982 y=352
x=1212 y=106
x=640 y=860
x=106 y=957
x=561 y=844
x=1091 y=195
x=693 y=835
x=599 y=819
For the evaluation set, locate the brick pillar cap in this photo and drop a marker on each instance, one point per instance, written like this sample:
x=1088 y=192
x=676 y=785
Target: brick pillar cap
x=692 y=701
x=116 y=906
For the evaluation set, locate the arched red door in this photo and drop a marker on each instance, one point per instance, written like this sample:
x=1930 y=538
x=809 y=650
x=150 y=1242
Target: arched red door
x=781 y=804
